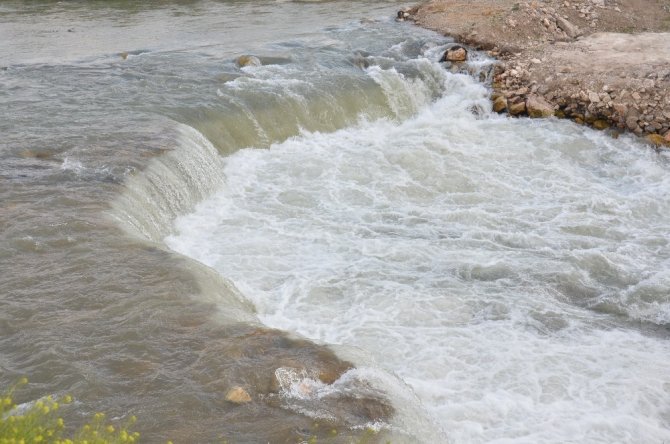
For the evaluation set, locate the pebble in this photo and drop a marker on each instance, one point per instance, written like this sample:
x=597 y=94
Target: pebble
x=237 y=395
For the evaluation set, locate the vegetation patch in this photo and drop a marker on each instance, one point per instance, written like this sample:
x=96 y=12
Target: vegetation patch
x=39 y=422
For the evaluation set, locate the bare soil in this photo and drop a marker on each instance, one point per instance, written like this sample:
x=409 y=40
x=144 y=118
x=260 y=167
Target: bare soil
x=600 y=62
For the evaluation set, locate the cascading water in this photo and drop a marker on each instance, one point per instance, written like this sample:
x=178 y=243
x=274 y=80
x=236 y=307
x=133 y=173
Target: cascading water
x=500 y=267
x=490 y=279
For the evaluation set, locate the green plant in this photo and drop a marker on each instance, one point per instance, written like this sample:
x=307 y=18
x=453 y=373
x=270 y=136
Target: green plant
x=40 y=423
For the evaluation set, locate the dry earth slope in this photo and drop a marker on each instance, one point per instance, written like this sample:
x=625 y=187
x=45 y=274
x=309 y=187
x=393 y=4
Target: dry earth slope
x=601 y=62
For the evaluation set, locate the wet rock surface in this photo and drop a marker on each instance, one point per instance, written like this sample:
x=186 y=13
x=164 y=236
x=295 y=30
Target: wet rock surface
x=248 y=60
x=287 y=389
x=455 y=54
x=601 y=63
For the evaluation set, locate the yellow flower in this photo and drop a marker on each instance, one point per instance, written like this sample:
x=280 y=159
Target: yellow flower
x=45 y=410
x=60 y=422
x=23 y=381
x=110 y=429
x=67 y=399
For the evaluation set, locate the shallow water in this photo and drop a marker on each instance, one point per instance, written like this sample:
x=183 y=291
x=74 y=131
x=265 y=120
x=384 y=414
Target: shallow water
x=492 y=280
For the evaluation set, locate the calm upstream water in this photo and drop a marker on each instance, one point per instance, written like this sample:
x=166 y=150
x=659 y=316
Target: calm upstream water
x=345 y=231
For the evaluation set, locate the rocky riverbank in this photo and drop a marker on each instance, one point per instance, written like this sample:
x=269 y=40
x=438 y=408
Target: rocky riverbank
x=605 y=63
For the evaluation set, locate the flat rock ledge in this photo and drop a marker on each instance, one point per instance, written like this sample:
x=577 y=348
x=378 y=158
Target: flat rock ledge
x=589 y=61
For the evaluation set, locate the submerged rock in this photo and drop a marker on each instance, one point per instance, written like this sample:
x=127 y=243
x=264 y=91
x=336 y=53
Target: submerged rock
x=237 y=395
x=600 y=124
x=658 y=140
x=248 y=60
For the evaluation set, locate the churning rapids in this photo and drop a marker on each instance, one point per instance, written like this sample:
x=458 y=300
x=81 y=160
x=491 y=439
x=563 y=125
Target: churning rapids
x=380 y=250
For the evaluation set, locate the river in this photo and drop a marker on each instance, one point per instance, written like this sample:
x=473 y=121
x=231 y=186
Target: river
x=346 y=231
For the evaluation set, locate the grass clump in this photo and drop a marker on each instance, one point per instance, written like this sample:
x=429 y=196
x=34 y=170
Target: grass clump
x=40 y=423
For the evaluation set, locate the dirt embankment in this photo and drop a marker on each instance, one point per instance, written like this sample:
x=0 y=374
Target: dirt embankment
x=601 y=62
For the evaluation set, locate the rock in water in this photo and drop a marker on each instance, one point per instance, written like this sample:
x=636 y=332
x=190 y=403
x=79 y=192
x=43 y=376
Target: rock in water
x=657 y=140
x=601 y=124
x=500 y=104
x=248 y=60
x=455 y=54
x=237 y=395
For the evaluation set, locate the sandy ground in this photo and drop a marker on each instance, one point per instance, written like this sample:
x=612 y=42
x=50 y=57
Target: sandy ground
x=601 y=62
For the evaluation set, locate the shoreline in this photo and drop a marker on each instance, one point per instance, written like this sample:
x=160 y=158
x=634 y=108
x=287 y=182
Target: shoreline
x=603 y=63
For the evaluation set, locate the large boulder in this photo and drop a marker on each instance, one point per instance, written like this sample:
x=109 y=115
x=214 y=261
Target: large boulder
x=455 y=54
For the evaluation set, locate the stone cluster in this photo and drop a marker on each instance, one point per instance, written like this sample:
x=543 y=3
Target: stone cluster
x=605 y=63
x=640 y=105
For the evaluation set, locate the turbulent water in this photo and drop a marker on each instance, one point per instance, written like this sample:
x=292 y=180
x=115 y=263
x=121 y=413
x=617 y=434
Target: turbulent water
x=172 y=225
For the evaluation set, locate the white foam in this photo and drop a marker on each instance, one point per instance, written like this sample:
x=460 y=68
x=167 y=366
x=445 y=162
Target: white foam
x=171 y=185
x=464 y=254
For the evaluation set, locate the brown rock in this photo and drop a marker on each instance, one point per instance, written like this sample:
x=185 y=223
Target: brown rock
x=601 y=124
x=329 y=375
x=516 y=108
x=667 y=137
x=499 y=104
x=237 y=395
x=571 y=30
x=620 y=108
x=248 y=60
x=657 y=140
x=538 y=107
x=631 y=123
x=455 y=54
